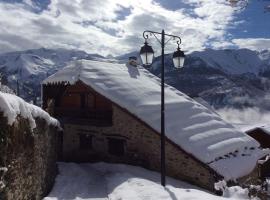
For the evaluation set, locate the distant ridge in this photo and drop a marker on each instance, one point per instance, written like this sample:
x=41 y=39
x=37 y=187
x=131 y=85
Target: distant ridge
x=236 y=78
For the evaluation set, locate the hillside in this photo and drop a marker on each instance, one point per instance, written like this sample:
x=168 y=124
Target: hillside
x=239 y=61
x=6 y=89
x=26 y=69
x=223 y=78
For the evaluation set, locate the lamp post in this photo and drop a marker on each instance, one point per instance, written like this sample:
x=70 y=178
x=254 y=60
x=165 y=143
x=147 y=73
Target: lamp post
x=147 y=55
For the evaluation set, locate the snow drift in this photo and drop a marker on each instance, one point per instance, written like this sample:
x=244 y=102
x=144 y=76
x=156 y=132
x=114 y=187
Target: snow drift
x=12 y=106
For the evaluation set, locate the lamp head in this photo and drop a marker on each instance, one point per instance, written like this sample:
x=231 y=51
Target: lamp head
x=178 y=58
x=147 y=54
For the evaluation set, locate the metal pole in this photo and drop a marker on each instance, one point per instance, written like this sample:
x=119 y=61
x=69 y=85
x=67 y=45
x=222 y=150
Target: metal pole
x=162 y=147
x=162 y=120
x=18 y=88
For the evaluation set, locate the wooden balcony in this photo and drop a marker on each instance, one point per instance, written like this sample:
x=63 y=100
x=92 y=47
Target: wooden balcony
x=84 y=116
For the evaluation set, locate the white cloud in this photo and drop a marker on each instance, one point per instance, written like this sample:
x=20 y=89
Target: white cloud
x=253 y=43
x=95 y=26
x=222 y=44
x=245 y=119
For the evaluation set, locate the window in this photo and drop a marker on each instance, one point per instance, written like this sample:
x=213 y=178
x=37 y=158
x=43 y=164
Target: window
x=116 y=146
x=85 y=142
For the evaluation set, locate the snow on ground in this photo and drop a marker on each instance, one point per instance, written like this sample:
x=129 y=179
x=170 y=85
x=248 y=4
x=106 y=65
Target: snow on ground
x=12 y=106
x=192 y=126
x=102 y=181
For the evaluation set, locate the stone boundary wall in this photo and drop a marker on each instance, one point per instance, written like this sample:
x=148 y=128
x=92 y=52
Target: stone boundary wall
x=27 y=159
x=142 y=148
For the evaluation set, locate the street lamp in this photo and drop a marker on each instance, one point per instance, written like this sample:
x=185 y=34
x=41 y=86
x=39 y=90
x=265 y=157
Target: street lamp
x=147 y=55
x=178 y=57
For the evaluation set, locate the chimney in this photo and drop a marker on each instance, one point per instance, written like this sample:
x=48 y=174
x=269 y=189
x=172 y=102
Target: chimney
x=132 y=60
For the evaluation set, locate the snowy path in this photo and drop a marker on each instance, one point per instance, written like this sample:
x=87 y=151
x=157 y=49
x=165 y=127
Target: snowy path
x=103 y=181
x=79 y=182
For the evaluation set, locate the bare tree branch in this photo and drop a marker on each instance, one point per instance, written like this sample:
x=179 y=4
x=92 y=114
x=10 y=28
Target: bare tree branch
x=238 y=3
x=244 y=3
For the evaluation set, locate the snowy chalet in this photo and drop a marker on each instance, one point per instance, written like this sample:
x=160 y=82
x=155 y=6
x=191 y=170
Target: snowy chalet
x=111 y=112
x=262 y=135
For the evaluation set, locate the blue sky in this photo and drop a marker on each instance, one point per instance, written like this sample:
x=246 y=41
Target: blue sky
x=115 y=26
x=256 y=22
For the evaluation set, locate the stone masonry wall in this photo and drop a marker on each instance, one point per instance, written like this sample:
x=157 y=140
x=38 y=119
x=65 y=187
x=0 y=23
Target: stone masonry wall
x=27 y=159
x=142 y=147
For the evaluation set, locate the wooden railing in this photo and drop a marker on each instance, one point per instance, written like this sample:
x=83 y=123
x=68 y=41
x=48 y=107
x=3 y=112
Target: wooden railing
x=86 y=115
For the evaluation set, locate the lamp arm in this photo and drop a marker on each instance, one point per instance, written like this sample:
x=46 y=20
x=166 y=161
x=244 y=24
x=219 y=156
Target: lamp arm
x=148 y=33
x=178 y=43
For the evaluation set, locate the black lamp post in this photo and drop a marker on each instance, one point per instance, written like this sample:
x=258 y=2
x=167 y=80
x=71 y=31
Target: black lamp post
x=147 y=55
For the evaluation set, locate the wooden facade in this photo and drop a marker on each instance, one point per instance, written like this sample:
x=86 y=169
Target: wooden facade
x=77 y=102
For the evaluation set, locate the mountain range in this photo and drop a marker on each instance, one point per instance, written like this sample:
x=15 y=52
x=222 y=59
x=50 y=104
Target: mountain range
x=236 y=78
x=23 y=71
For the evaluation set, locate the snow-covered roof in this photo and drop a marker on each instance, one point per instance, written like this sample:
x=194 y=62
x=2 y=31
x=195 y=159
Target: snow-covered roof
x=189 y=124
x=264 y=128
x=12 y=106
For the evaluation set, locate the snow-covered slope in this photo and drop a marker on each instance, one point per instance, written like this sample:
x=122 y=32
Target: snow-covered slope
x=12 y=106
x=224 y=78
x=231 y=61
x=37 y=62
x=102 y=181
x=220 y=77
x=5 y=89
x=30 y=67
x=200 y=132
x=238 y=61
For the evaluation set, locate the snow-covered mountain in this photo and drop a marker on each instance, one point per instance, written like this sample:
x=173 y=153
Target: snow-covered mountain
x=233 y=78
x=229 y=61
x=5 y=89
x=239 y=61
x=224 y=78
x=24 y=70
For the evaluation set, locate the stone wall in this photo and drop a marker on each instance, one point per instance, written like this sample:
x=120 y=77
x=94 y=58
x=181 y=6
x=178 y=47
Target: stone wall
x=142 y=147
x=29 y=157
